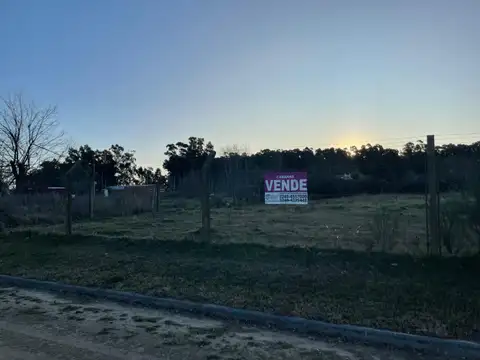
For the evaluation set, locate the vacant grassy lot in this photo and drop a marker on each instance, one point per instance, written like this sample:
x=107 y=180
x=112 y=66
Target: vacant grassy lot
x=300 y=260
x=399 y=292
x=328 y=224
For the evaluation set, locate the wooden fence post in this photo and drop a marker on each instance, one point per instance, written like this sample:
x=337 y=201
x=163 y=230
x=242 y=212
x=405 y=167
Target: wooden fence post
x=68 y=220
x=205 y=198
x=91 y=199
x=157 y=197
x=69 y=191
x=433 y=205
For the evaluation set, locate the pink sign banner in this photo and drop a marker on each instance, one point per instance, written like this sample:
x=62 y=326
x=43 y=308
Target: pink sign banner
x=286 y=188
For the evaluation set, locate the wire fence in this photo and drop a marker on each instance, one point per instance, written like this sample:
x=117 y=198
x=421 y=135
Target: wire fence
x=359 y=259
x=385 y=222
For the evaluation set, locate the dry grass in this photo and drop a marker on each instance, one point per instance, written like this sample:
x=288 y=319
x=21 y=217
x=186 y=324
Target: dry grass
x=432 y=296
x=261 y=258
x=41 y=209
x=344 y=223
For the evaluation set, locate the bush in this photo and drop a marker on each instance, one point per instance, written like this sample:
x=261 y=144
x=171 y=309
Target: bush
x=384 y=229
x=474 y=213
x=460 y=222
x=454 y=226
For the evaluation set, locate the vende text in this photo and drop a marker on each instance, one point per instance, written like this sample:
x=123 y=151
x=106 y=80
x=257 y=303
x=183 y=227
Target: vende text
x=286 y=185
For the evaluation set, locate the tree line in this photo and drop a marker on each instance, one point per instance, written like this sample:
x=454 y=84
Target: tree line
x=331 y=171
x=34 y=155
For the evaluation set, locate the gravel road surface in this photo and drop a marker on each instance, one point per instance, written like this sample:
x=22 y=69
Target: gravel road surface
x=43 y=326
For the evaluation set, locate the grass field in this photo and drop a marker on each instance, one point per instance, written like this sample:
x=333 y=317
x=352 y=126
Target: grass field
x=336 y=223
x=296 y=261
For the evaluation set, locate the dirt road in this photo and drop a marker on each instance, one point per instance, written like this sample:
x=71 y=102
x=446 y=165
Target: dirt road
x=41 y=326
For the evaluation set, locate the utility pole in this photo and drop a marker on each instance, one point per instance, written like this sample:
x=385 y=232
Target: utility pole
x=433 y=208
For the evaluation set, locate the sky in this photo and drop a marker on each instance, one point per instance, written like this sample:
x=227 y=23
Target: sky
x=255 y=73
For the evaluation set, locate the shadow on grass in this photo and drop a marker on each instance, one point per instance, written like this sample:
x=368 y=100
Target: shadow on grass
x=434 y=296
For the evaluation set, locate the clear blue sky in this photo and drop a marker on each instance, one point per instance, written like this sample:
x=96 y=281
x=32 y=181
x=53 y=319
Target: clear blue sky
x=259 y=73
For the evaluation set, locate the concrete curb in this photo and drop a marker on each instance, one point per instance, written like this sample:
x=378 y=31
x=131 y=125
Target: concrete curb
x=447 y=347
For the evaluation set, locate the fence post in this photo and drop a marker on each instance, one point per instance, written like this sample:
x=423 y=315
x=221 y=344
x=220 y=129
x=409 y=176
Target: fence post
x=157 y=197
x=91 y=192
x=68 y=220
x=433 y=206
x=205 y=198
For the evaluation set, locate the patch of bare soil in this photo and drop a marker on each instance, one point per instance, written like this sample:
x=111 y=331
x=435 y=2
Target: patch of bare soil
x=40 y=326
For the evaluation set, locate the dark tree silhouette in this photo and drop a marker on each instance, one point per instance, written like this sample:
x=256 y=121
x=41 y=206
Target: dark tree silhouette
x=370 y=168
x=113 y=166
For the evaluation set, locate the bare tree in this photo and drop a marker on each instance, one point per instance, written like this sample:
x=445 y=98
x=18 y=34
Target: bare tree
x=29 y=135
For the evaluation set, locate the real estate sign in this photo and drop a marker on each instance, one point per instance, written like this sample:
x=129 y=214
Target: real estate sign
x=286 y=188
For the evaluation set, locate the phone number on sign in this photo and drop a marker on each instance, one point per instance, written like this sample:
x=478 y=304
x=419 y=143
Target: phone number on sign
x=293 y=198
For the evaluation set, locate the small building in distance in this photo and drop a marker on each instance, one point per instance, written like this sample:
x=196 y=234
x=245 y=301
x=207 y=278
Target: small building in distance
x=133 y=190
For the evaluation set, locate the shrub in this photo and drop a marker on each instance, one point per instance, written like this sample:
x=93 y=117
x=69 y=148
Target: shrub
x=474 y=213
x=384 y=228
x=460 y=221
x=454 y=226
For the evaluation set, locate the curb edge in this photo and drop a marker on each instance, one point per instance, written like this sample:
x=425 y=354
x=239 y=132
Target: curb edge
x=449 y=347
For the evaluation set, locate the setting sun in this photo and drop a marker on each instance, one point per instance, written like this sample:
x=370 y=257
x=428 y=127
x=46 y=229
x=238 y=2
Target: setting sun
x=349 y=140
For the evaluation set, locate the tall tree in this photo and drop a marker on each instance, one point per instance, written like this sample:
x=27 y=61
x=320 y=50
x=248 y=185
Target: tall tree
x=184 y=158
x=29 y=135
x=125 y=165
x=148 y=175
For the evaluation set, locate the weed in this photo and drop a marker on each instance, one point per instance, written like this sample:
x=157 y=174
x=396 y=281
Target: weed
x=384 y=228
x=474 y=213
x=453 y=226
